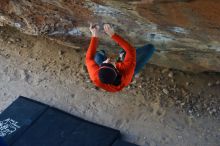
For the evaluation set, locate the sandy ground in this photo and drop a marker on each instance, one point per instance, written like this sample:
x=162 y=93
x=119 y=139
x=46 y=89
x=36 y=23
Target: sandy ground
x=162 y=107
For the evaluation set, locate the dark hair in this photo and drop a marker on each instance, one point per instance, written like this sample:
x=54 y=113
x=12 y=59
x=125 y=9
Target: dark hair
x=108 y=74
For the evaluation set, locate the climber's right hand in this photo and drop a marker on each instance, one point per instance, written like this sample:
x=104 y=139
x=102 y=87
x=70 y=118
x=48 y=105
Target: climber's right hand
x=109 y=30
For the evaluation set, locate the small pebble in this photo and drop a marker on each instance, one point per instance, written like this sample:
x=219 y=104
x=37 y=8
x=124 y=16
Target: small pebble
x=170 y=75
x=209 y=84
x=61 y=52
x=164 y=71
x=18 y=39
x=134 y=82
x=165 y=91
x=190 y=111
x=25 y=45
x=11 y=40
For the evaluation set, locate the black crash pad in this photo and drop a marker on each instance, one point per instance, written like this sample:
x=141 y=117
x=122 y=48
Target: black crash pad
x=61 y=129
x=89 y=134
x=40 y=125
x=2 y=143
x=123 y=143
x=18 y=117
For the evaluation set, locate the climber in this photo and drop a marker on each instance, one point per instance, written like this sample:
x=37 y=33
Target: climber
x=110 y=75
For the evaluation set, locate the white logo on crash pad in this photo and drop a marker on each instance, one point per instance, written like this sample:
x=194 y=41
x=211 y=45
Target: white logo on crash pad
x=8 y=126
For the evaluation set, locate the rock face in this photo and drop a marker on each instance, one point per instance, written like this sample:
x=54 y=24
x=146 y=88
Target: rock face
x=186 y=33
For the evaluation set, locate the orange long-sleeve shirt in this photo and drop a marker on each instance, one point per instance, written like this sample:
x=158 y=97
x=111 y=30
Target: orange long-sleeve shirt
x=126 y=68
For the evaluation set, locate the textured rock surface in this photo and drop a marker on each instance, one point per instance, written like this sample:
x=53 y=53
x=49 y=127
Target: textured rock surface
x=185 y=32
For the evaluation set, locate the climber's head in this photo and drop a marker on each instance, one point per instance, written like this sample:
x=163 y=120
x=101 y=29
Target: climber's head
x=107 y=73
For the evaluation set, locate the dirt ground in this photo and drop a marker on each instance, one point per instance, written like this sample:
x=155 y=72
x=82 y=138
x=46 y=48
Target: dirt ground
x=161 y=107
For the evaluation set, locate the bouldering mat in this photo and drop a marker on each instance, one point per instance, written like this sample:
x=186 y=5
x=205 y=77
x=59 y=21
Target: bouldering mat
x=29 y=123
x=123 y=143
x=18 y=117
